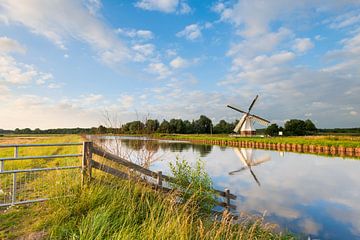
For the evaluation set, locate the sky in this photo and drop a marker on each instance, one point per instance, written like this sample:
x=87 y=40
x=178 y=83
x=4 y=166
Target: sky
x=73 y=63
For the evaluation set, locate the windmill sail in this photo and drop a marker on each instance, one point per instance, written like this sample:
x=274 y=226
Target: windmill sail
x=253 y=102
x=247 y=158
x=240 y=123
x=245 y=125
x=259 y=120
x=236 y=109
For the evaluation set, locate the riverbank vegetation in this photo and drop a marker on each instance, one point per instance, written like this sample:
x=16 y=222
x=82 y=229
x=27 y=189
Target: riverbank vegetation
x=337 y=141
x=109 y=208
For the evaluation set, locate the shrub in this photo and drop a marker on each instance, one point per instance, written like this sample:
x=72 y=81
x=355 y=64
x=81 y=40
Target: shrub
x=194 y=184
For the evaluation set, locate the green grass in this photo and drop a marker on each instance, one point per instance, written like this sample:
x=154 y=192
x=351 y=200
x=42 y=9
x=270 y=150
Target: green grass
x=344 y=141
x=110 y=208
x=123 y=210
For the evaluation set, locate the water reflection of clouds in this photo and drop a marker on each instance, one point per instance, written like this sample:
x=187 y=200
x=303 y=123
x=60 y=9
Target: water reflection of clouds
x=305 y=193
x=293 y=184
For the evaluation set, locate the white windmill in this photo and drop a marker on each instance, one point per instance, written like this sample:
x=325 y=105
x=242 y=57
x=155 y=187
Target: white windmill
x=245 y=125
x=246 y=157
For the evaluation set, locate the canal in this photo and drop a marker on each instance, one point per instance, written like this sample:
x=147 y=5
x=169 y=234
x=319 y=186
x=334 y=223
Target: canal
x=310 y=195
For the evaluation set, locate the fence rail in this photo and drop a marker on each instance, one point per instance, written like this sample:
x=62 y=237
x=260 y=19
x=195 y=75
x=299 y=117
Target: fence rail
x=11 y=194
x=89 y=163
x=17 y=146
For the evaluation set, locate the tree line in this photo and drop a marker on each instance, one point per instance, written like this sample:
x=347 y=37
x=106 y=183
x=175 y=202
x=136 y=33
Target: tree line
x=202 y=125
x=293 y=127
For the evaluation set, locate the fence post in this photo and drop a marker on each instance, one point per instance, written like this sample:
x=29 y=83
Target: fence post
x=1 y=165
x=227 y=196
x=13 y=194
x=159 y=179
x=16 y=152
x=86 y=162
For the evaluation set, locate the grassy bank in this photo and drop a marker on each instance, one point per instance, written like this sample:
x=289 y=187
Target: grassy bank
x=337 y=141
x=109 y=208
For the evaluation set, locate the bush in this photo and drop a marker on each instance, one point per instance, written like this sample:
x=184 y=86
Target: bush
x=194 y=184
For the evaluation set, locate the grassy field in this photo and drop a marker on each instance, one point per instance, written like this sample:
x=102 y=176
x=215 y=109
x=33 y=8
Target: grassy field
x=109 y=208
x=344 y=141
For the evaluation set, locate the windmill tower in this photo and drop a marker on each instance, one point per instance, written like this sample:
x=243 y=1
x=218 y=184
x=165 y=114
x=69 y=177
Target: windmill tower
x=245 y=125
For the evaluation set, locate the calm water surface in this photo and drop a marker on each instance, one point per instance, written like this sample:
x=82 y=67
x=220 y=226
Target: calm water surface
x=313 y=195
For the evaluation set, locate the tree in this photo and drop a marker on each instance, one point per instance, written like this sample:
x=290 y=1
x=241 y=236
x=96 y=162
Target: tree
x=223 y=127
x=136 y=127
x=310 y=126
x=272 y=130
x=295 y=127
x=177 y=126
x=101 y=129
x=188 y=126
x=203 y=125
x=151 y=125
x=37 y=131
x=164 y=127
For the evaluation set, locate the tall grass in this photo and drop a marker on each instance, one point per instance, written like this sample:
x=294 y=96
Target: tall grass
x=115 y=209
x=110 y=208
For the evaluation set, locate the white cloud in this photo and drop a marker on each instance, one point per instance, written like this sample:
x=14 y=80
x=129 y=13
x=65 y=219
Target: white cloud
x=184 y=8
x=92 y=98
x=30 y=101
x=167 y=6
x=178 y=62
x=218 y=7
x=302 y=45
x=126 y=101
x=353 y=113
x=190 y=32
x=46 y=112
x=93 y=5
x=159 y=69
x=319 y=38
x=145 y=34
x=44 y=78
x=261 y=64
x=143 y=51
x=10 y=45
x=346 y=20
x=54 y=85
x=253 y=16
x=3 y=90
x=208 y=25
x=264 y=43
x=171 y=52
x=133 y=33
x=19 y=73
x=262 y=59
x=44 y=18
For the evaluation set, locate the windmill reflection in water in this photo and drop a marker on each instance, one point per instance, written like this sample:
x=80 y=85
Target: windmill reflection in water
x=247 y=158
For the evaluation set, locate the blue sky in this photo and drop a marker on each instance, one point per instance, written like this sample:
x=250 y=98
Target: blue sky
x=68 y=63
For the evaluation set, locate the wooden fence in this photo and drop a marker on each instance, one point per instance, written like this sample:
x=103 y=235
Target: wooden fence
x=89 y=150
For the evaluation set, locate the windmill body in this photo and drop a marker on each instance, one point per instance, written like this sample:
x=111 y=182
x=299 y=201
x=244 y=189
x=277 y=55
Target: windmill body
x=245 y=126
x=247 y=129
